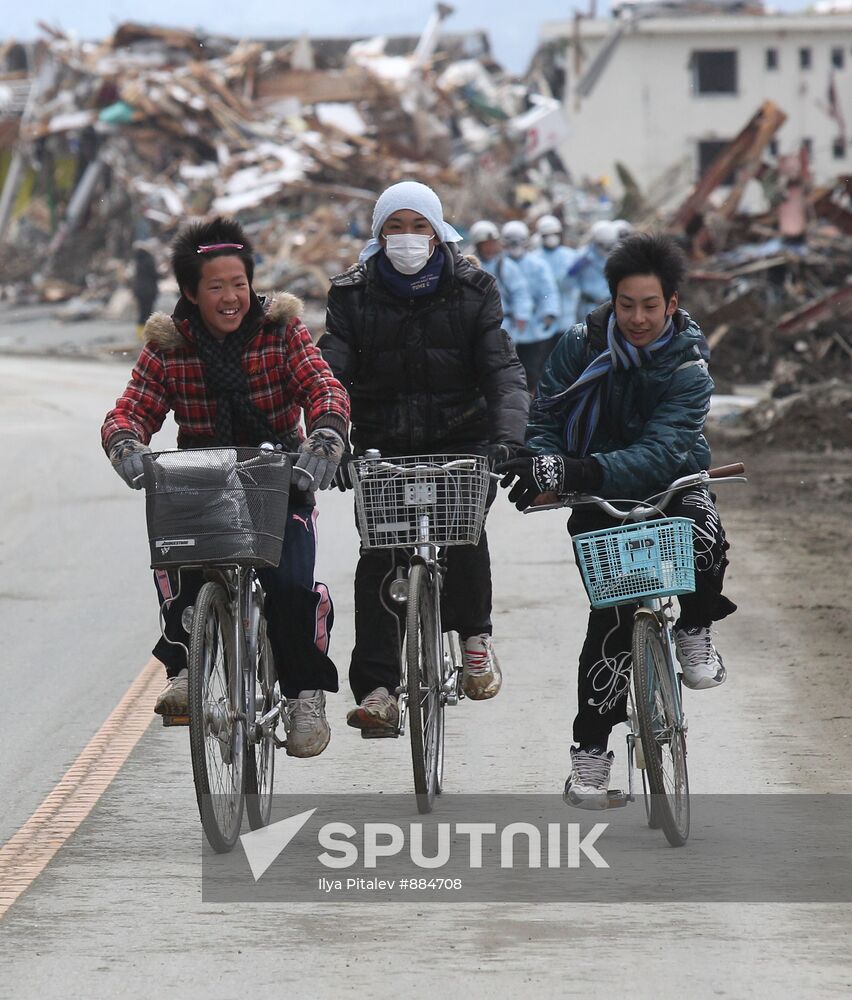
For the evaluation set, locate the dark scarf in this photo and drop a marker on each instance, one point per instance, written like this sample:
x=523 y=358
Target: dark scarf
x=238 y=420
x=411 y=286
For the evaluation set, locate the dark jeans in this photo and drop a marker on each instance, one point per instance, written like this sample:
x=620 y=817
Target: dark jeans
x=299 y=613
x=380 y=623
x=534 y=357
x=605 y=660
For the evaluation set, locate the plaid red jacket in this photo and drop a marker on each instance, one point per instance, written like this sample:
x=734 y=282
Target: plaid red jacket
x=286 y=375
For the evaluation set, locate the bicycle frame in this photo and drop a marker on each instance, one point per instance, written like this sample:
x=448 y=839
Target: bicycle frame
x=426 y=553
x=246 y=600
x=662 y=610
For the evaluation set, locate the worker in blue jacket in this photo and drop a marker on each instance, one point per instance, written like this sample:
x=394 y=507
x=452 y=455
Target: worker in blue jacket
x=559 y=258
x=511 y=283
x=588 y=267
x=534 y=343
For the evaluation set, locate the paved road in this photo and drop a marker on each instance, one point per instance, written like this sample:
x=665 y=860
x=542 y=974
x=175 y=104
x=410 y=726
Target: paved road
x=119 y=913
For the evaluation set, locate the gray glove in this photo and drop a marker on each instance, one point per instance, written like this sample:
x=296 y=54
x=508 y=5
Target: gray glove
x=126 y=457
x=320 y=455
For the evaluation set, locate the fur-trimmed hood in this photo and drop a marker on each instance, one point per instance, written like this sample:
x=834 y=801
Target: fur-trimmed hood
x=169 y=332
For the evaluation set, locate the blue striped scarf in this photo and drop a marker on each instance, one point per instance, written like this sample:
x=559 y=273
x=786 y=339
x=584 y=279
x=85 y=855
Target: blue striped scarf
x=583 y=398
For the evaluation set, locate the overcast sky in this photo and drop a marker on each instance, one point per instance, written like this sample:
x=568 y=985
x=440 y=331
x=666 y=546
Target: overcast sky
x=512 y=25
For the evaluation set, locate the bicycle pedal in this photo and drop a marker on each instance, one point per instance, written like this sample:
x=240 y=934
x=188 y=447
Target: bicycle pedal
x=615 y=799
x=175 y=720
x=379 y=734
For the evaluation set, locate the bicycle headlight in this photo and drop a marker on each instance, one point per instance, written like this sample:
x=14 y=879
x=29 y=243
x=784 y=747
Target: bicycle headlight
x=399 y=591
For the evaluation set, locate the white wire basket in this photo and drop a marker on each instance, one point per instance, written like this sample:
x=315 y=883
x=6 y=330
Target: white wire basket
x=408 y=500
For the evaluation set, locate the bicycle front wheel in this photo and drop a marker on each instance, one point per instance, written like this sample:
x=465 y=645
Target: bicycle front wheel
x=424 y=686
x=260 y=759
x=661 y=731
x=216 y=732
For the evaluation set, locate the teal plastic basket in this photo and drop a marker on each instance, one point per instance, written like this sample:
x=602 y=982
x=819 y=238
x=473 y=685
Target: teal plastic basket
x=651 y=559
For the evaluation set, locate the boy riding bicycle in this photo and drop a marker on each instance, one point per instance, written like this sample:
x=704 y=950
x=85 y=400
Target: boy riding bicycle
x=238 y=370
x=414 y=333
x=620 y=413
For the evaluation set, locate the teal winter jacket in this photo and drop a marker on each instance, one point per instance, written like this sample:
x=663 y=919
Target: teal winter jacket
x=651 y=425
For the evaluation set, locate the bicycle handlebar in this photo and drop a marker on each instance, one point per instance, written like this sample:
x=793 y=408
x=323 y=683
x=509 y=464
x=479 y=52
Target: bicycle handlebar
x=653 y=505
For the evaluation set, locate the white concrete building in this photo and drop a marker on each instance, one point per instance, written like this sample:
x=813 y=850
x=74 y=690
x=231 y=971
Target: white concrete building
x=676 y=87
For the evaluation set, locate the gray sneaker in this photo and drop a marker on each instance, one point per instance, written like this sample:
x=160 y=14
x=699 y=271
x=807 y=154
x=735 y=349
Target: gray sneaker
x=308 y=732
x=588 y=782
x=377 y=716
x=174 y=698
x=481 y=675
x=700 y=662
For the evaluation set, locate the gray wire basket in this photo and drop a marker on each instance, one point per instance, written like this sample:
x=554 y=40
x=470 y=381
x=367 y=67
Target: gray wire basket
x=214 y=506
x=403 y=501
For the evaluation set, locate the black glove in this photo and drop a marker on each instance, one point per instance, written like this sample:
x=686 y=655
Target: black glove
x=320 y=455
x=537 y=474
x=498 y=454
x=126 y=457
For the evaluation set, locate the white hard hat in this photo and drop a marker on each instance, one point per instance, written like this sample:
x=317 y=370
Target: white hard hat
x=515 y=232
x=482 y=231
x=548 y=225
x=604 y=234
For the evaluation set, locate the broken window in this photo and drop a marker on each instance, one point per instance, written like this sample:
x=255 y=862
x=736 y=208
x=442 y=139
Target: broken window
x=772 y=58
x=838 y=149
x=714 y=71
x=804 y=58
x=837 y=58
x=708 y=150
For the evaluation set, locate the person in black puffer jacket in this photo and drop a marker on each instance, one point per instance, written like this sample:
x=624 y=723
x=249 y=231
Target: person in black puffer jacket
x=413 y=331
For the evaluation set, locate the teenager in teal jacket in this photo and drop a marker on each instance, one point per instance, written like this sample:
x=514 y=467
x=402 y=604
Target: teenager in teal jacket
x=620 y=413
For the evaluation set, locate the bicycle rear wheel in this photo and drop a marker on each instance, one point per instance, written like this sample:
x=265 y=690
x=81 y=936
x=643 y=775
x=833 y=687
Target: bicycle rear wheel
x=661 y=732
x=216 y=733
x=424 y=685
x=260 y=758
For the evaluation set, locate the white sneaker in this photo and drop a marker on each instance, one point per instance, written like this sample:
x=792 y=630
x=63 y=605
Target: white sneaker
x=376 y=716
x=588 y=782
x=701 y=665
x=174 y=698
x=308 y=732
x=481 y=675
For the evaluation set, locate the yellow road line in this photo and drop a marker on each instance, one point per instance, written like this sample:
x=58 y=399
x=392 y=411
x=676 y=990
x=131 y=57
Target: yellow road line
x=30 y=850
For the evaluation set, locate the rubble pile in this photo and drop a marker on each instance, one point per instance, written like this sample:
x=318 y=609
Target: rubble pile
x=130 y=137
x=778 y=313
x=107 y=145
x=773 y=287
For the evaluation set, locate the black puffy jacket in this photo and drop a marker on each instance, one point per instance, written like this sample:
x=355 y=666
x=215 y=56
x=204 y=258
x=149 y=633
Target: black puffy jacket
x=425 y=374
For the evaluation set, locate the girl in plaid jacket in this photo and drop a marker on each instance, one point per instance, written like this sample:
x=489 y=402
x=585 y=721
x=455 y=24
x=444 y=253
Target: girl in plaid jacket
x=236 y=369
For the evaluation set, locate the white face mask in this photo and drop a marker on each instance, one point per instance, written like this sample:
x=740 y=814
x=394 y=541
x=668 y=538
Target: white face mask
x=408 y=252
x=551 y=240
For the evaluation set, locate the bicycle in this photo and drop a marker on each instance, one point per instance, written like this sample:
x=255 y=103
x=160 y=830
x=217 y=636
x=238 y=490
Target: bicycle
x=646 y=564
x=422 y=503
x=223 y=511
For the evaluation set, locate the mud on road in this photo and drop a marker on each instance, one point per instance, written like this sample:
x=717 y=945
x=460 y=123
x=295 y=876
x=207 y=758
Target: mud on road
x=797 y=512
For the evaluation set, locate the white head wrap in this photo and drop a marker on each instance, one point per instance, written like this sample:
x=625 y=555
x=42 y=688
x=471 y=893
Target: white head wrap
x=415 y=197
